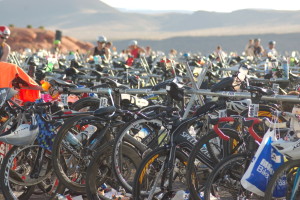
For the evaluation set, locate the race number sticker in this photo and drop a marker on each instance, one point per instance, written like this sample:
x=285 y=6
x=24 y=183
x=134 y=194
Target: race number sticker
x=103 y=102
x=275 y=88
x=64 y=99
x=223 y=113
x=253 y=110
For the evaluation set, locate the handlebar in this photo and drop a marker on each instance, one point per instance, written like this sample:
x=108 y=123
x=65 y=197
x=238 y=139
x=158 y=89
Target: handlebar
x=251 y=122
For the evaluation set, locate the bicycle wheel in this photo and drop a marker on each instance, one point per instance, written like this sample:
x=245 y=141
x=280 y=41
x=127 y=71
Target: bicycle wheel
x=224 y=181
x=99 y=171
x=71 y=160
x=17 y=177
x=152 y=180
x=207 y=152
x=286 y=175
x=141 y=135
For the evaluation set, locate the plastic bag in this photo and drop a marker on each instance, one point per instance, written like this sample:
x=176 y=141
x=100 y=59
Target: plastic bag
x=263 y=165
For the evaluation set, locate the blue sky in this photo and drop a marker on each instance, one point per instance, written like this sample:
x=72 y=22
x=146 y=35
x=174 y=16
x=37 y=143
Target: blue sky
x=208 y=5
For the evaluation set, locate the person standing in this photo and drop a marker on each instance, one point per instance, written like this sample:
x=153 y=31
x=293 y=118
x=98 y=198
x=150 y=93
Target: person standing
x=271 y=52
x=258 y=49
x=4 y=47
x=100 y=50
x=134 y=49
x=249 y=48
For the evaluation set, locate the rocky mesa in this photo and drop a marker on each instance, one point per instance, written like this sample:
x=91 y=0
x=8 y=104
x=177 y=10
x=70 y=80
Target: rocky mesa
x=38 y=38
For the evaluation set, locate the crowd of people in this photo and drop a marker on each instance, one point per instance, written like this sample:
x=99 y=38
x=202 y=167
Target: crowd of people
x=254 y=48
x=106 y=50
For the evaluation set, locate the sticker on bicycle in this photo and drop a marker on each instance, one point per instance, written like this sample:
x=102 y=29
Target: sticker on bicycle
x=228 y=93
x=64 y=99
x=275 y=88
x=103 y=102
x=253 y=110
x=223 y=113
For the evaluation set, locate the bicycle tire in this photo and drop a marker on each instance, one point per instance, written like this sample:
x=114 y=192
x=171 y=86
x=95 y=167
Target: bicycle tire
x=93 y=182
x=10 y=178
x=209 y=145
x=122 y=138
x=87 y=103
x=153 y=163
x=66 y=172
x=287 y=169
x=228 y=173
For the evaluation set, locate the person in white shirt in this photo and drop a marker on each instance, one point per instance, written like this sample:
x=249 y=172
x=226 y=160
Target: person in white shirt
x=271 y=52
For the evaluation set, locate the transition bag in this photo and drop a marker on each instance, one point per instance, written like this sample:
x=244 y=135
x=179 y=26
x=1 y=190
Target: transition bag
x=263 y=165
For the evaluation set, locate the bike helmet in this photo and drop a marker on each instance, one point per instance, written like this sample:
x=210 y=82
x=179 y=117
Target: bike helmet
x=238 y=106
x=133 y=43
x=56 y=42
x=272 y=42
x=101 y=39
x=290 y=149
x=24 y=134
x=4 y=31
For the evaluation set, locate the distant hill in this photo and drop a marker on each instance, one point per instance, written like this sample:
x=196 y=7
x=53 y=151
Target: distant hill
x=35 y=39
x=87 y=19
x=285 y=43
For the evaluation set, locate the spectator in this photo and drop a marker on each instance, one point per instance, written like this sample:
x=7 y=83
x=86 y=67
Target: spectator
x=108 y=46
x=4 y=47
x=134 y=50
x=258 y=49
x=249 y=48
x=148 y=51
x=172 y=54
x=271 y=51
x=56 y=48
x=219 y=53
x=100 y=49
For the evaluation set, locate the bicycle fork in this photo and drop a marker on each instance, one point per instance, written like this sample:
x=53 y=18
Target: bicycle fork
x=38 y=163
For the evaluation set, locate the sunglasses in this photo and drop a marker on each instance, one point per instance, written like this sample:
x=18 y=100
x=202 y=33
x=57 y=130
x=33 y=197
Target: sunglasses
x=3 y=37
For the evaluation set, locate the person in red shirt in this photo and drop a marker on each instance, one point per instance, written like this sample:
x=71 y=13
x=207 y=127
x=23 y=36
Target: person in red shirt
x=134 y=50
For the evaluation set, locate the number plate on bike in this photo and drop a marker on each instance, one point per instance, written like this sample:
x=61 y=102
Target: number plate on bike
x=223 y=113
x=253 y=110
x=64 y=99
x=275 y=87
x=103 y=102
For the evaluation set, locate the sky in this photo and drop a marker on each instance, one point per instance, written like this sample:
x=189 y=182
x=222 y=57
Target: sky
x=207 y=5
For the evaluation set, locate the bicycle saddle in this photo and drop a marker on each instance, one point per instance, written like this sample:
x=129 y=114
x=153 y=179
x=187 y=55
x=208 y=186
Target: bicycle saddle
x=260 y=90
x=224 y=85
x=101 y=112
x=62 y=83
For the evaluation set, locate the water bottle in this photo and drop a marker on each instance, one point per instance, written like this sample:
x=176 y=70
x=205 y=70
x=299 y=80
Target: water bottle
x=73 y=140
x=86 y=134
x=179 y=195
x=286 y=69
x=97 y=60
x=60 y=197
x=201 y=195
